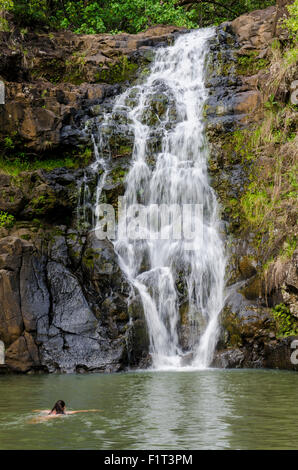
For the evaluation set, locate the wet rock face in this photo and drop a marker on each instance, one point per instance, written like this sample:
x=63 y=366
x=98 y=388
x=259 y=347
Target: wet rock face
x=256 y=29
x=271 y=354
x=40 y=194
x=62 y=76
x=232 y=76
x=35 y=114
x=65 y=305
x=57 y=316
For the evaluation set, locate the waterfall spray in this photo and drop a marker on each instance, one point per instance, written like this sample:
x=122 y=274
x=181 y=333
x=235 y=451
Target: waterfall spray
x=168 y=109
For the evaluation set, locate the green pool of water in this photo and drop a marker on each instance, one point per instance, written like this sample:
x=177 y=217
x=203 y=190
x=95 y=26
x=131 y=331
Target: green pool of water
x=212 y=409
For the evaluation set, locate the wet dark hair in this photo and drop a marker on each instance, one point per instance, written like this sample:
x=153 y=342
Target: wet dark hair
x=59 y=407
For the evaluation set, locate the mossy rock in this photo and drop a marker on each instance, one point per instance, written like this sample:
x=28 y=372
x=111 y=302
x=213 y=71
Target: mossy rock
x=89 y=258
x=118 y=72
x=232 y=326
x=247 y=267
x=250 y=64
x=253 y=290
x=43 y=204
x=52 y=70
x=139 y=339
x=183 y=311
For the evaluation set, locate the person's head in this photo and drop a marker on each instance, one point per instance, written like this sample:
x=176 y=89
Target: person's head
x=59 y=407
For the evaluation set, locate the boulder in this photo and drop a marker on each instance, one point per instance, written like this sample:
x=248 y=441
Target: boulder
x=255 y=30
x=23 y=355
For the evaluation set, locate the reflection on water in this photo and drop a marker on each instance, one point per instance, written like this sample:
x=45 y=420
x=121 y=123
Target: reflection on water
x=211 y=409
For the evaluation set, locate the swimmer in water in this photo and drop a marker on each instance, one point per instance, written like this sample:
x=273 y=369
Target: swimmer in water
x=59 y=409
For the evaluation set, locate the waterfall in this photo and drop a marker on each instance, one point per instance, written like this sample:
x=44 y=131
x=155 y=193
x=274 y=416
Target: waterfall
x=165 y=114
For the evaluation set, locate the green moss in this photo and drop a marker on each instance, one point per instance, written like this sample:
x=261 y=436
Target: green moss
x=123 y=316
x=286 y=323
x=238 y=146
x=89 y=258
x=232 y=325
x=118 y=72
x=17 y=165
x=227 y=69
x=250 y=64
x=270 y=184
x=57 y=70
x=254 y=289
x=51 y=70
x=125 y=150
x=184 y=309
x=74 y=70
x=15 y=157
x=118 y=174
x=43 y=203
x=37 y=223
x=255 y=206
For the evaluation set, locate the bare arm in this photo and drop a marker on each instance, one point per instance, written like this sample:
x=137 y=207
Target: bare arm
x=79 y=411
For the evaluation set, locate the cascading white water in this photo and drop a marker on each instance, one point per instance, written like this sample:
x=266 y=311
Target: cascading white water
x=168 y=108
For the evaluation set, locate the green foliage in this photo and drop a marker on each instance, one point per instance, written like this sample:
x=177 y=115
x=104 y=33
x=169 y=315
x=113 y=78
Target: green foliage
x=291 y=56
x=5 y=5
x=81 y=17
x=270 y=103
x=288 y=248
x=206 y=13
x=126 y=15
x=15 y=157
x=254 y=206
x=132 y=16
x=292 y=22
x=90 y=17
x=268 y=153
x=19 y=164
x=287 y=324
x=6 y=220
x=30 y=12
x=8 y=143
x=250 y=64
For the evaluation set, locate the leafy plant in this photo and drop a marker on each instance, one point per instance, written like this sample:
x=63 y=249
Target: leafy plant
x=291 y=56
x=271 y=102
x=287 y=324
x=292 y=22
x=8 y=143
x=114 y=16
x=288 y=248
x=6 y=220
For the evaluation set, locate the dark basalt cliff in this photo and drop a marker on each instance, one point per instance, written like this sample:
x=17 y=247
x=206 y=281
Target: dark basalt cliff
x=65 y=305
